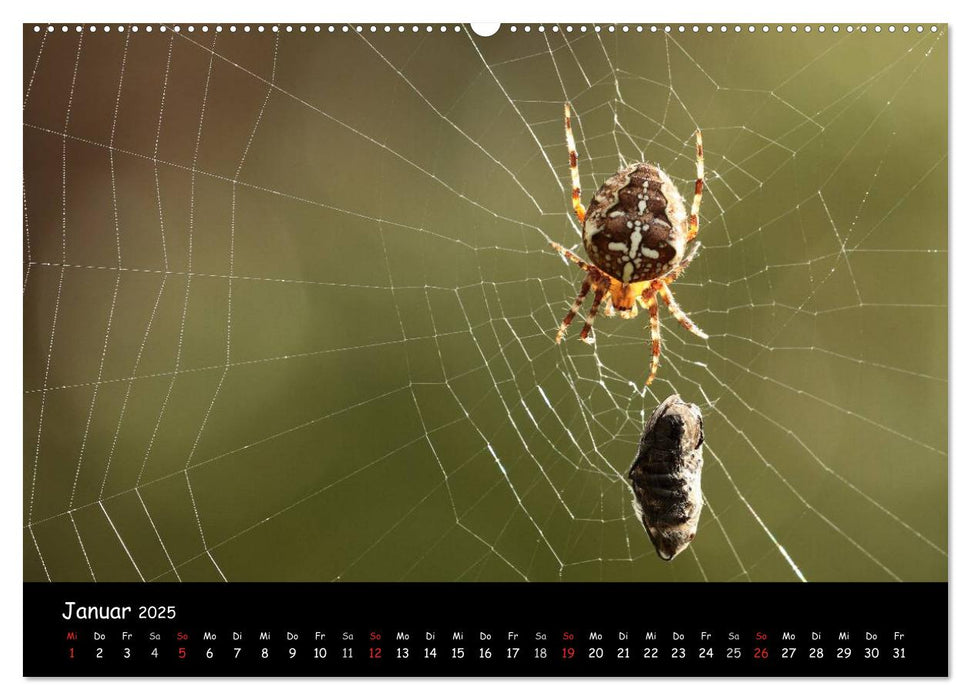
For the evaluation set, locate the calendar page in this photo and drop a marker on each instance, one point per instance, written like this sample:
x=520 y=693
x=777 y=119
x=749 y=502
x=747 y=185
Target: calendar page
x=534 y=349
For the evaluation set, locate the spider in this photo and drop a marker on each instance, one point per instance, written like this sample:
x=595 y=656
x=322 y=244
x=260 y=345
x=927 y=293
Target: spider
x=635 y=233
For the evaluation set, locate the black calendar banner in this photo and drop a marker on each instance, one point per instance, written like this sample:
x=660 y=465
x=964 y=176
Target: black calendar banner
x=486 y=629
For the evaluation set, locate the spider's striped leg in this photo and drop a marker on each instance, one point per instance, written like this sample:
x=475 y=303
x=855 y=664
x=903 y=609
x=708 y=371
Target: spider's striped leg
x=568 y=319
x=598 y=296
x=668 y=298
x=651 y=303
x=571 y=144
x=571 y=256
x=699 y=186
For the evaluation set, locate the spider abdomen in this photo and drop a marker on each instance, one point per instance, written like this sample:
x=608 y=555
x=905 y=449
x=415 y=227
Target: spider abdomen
x=666 y=476
x=636 y=226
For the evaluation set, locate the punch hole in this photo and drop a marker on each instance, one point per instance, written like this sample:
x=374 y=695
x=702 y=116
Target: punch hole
x=485 y=28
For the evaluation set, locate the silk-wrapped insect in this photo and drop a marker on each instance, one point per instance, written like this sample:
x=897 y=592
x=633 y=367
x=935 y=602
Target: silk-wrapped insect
x=666 y=476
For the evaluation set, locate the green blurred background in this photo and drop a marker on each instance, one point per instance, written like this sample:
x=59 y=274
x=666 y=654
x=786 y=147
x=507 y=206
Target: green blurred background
x=289 y=304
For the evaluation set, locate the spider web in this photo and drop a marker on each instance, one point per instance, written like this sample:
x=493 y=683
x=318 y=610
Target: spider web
x=289 y=302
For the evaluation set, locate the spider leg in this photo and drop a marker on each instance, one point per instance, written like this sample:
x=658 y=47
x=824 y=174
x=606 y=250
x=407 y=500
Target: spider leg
x=571 y=256
x=568 y=319
x=699 y=186
x=574 y=171
x=668 y=298
x=598 y=296
x=609 y=309
x=673 y=274
x=651 y=303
